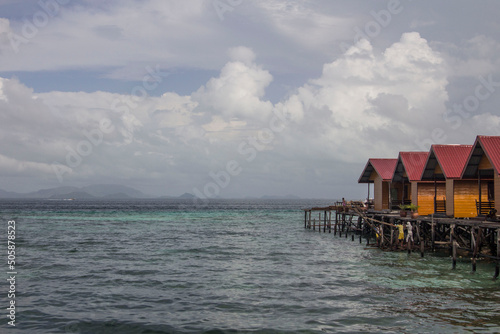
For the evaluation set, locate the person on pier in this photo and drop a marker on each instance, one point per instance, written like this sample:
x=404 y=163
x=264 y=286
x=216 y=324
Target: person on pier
x=401 y=236
x=409 y=234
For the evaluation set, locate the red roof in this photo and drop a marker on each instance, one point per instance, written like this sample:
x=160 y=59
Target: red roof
x=413 y=163
x=383 y=167
x=451 y=158
x=484 y=145
x=491 y=146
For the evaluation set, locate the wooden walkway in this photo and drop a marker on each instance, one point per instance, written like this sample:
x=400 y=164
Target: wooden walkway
x=460 y=237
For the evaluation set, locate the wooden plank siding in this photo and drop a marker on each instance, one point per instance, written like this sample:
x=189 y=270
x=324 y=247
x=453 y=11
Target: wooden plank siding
x=466 y=194
x=426 y=196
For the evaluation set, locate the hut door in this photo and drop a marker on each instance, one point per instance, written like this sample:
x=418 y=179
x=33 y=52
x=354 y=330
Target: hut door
x=491 y=191
x=407 y=194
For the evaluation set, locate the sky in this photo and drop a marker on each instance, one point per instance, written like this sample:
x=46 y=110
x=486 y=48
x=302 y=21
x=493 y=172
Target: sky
x=237 y=98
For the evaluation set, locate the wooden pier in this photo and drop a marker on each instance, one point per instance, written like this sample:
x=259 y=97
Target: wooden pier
x=474 y=238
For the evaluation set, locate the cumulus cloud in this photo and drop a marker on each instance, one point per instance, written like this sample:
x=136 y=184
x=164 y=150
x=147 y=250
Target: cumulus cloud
x=239 y=89
x=366 y=97
x=366 y=103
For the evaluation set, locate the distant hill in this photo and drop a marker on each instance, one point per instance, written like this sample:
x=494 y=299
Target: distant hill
x=113 y=190
x=104 y=191
x=280 y=197
x=73 y=195
x=187 y=196
x=9 y=194
x=118 y=196
x=59 y=192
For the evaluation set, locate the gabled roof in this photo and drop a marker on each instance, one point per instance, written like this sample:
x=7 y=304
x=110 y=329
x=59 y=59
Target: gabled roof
x=383 y=167
x=450 y=158
x=412 y=163
x=484 y=145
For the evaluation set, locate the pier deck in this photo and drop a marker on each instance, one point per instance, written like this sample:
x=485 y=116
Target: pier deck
x=476 y=238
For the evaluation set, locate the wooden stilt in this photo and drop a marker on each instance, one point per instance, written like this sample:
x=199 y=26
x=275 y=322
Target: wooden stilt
x=497 y=267
x=336 y=222
x=452 y=227
x=324 y=223
x=433 y=234
x=455 y=245
x=329 y=222
x=420 y=239
x=381 y=235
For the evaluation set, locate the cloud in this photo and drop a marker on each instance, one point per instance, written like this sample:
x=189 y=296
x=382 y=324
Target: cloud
x=366 y=97
x=366 y=103
x=239 y=89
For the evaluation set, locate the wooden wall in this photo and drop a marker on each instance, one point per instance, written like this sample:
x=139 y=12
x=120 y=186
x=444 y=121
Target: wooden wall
x=466 y=194
x=385 y=195
x=377 y=191
x=414 y=192
x=426 y=193
x=381 y=192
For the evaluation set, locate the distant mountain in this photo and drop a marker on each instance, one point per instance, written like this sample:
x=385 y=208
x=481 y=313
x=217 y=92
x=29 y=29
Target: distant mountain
x=106 y=190
x=73 y=195
x=118 y=196
x=187 y=196
x=59 y=192
x=280 y=197
x=9 y=194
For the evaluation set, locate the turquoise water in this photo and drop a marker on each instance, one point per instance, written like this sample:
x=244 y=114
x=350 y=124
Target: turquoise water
x=235 y=266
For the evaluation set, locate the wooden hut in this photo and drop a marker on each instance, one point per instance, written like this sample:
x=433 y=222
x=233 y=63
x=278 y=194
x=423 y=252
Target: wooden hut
x=480 y=183
x=379 y=172
x=444 y=166
x=406 y=178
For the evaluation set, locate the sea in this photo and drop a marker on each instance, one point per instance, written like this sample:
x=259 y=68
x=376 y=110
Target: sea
x=222 y=266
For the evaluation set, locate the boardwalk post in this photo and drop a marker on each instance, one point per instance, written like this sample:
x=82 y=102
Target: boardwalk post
x=420 y=239
x=336 y=222
x=310 y=216
x=368 y=235
x=324 y=223
x=452 y=227
x=381 y=235
x=475 y=246
x=319 y=222
x=330 y=221
x=497 y=267
x=305 y=219
x=433 y=234
x=455 y=244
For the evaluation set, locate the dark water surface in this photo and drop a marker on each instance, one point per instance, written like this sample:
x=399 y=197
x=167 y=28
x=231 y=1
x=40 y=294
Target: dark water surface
x=232 y=266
